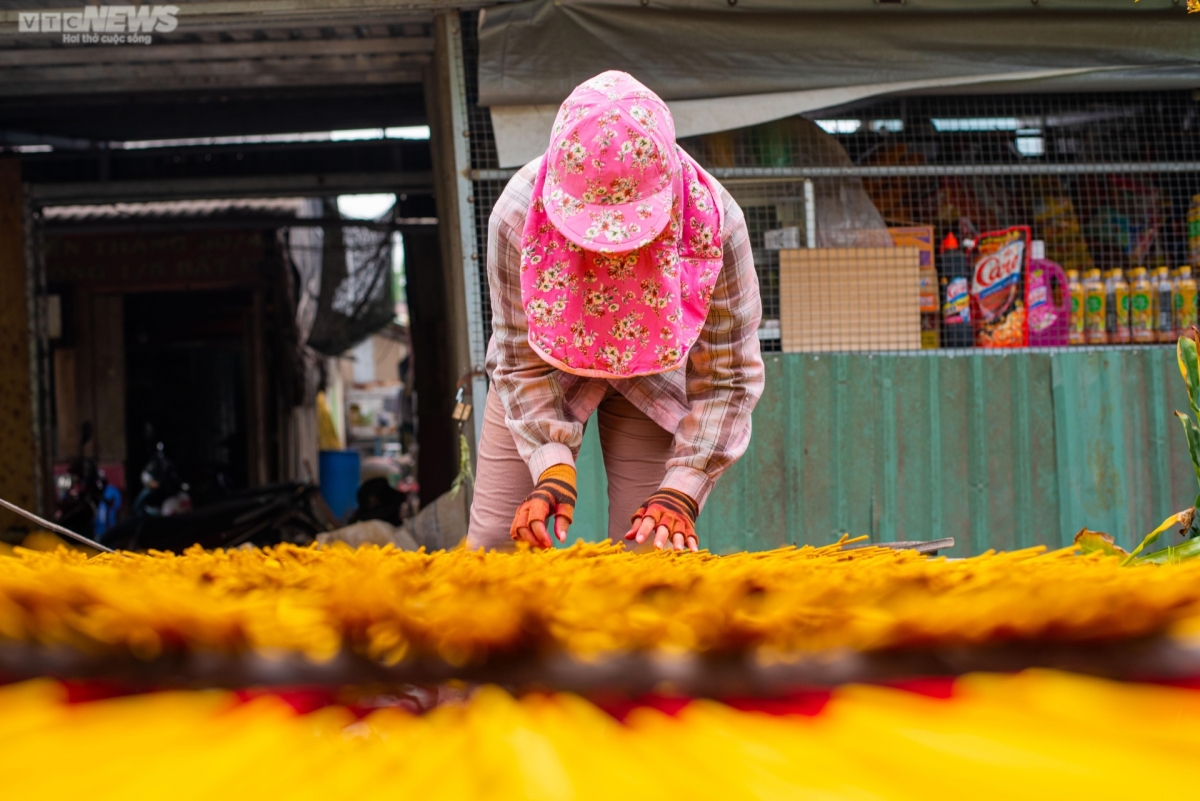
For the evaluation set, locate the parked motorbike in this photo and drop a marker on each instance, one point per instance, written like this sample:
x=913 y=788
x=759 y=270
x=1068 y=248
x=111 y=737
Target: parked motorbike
x=388 y=490
x=86 y=503
x=165 y=519
x=163 y=493
x=263 y=516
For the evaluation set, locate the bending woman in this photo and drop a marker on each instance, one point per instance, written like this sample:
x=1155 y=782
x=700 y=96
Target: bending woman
x=622 y=283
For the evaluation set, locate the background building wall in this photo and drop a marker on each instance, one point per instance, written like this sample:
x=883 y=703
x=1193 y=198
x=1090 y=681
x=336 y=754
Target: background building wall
x=18 y=452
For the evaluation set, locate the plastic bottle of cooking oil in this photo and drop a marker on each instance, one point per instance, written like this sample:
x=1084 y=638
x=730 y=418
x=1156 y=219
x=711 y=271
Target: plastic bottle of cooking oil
x=1094 y=332
x=1075 y=328
x=1193 y=224
x=1110 y=304
x=1141 y=306
x=1184 y=300
x=1164 y=306
x=1120 y=334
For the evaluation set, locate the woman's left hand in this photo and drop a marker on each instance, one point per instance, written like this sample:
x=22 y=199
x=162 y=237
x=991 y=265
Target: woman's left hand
x=670 y=516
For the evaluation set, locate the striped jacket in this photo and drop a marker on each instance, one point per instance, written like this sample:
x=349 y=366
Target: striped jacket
x=707 y=404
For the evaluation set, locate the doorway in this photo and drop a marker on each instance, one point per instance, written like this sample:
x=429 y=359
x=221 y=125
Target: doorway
x=187 y=357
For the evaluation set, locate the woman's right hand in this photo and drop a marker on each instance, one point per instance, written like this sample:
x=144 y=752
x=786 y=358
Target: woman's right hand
x=669 y=516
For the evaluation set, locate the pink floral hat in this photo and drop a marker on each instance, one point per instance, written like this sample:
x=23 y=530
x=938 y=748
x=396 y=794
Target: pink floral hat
x=621 y=251
x=612 y=166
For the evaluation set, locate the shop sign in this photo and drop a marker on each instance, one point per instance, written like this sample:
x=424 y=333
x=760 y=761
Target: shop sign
x=96 y=24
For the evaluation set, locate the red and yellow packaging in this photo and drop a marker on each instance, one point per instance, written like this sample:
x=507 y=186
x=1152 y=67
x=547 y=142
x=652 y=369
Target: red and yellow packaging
x=921 y=238
x=1000 y=262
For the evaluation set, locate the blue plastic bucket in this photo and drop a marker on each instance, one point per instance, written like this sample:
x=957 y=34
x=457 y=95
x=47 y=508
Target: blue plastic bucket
x=339 y=481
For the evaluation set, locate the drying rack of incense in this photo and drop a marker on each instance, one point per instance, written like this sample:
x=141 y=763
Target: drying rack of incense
x=590 y=618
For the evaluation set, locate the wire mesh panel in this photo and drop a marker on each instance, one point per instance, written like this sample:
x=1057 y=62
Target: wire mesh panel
x=1039 y=220
x=949 y=221
x=485 y=193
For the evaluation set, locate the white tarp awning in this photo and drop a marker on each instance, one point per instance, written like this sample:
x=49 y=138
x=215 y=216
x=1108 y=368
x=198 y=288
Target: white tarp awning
x=722 y=68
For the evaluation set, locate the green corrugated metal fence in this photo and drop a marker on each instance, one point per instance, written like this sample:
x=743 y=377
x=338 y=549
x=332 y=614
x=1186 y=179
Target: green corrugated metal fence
x=996 y=450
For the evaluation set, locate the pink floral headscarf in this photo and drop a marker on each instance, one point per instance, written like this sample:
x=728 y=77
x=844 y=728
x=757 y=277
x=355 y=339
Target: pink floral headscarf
x=622 y=244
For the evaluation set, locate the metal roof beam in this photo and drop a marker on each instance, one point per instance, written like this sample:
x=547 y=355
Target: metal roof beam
x=240 y=14
x=312 y=185
x=250 y=223
x=173 y=71
x=169 y=83
x=9 y=137
x=100 y=54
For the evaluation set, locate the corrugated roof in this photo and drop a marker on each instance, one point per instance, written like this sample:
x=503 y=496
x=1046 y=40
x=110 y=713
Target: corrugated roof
x=221 y=45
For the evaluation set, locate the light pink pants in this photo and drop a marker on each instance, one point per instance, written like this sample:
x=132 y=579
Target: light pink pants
x=636 y=450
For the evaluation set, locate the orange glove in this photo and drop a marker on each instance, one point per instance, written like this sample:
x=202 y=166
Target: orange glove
x=670 y=516
x=554 y=495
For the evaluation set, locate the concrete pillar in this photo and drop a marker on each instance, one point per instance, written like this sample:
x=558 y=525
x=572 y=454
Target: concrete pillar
x=18 y=446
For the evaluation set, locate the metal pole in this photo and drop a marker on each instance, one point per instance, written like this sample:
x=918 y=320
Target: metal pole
x=936 y=170
x=55 y=527
x=35 y=293
x=472 y=258
x=787 y=174
x=810 y=214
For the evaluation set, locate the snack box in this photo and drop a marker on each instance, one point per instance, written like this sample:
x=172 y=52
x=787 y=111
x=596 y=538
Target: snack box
x=921 y=238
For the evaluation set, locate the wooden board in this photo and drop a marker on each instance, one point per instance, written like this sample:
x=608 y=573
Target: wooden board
x=108 y=373
x=849 y=299
x=66 y=412
x=99 y=376
x=156 y=261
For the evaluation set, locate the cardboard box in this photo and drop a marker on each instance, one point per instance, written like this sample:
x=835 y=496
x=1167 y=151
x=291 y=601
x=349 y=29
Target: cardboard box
x=849 y=299
x=921 y=238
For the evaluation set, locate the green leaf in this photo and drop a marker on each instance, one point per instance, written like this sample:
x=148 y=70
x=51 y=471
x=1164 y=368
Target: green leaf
x=1193 y=439
x=1088 y=541
x=1189 y=368
x=1176 y=553
x=1184 y=519
x=465 y=475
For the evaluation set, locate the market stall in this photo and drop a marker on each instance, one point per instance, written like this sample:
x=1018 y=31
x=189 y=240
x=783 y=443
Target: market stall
x=881 y=156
